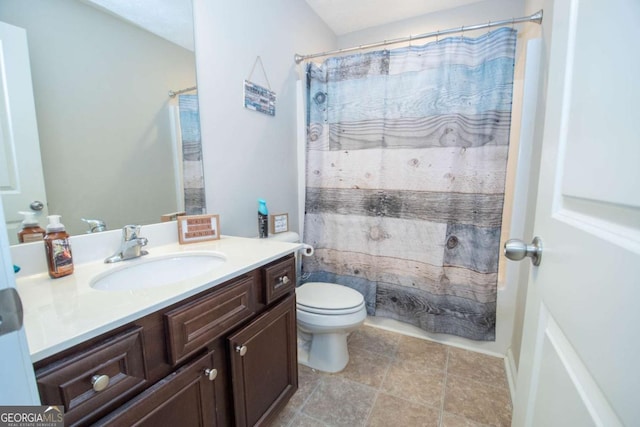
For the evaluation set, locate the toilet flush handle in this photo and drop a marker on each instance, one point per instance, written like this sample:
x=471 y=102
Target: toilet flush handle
x=242 y=349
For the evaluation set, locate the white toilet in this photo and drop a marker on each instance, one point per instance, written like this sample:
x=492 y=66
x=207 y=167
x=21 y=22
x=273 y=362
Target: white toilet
x=327 y=313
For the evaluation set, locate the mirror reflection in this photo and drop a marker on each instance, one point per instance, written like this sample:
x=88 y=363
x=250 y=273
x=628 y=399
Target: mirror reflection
x=109 y=132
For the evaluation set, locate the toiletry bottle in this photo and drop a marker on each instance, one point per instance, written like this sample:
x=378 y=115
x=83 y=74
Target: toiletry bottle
x=31 y=230
x=263 y=219
x=56 y=243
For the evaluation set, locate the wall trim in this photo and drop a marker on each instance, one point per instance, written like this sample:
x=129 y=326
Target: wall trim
x=403 y=328
x=511 y=371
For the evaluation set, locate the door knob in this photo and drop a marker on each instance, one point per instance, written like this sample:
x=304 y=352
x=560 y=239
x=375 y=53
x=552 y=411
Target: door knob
x=516 y=250
x=36 y=205
x=242 y=349
x=10 y=311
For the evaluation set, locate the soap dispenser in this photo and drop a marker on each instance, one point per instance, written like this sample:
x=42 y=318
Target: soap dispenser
x=58 y=248
x=31 y=230
x=263 y=219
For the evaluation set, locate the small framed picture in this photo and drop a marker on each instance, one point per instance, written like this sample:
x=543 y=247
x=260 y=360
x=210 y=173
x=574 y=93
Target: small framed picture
x=198 y=228
x=279 y=223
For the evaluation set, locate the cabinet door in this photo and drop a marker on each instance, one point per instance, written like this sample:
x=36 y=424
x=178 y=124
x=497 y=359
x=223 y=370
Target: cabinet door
x=264 y=364
x=185 y=398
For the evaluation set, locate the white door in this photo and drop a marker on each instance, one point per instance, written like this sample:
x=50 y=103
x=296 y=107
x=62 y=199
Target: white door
x=16 y=372
x=21 y=178
x=579 y=363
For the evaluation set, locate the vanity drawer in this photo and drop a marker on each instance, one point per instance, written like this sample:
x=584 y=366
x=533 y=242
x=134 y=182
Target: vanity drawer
x=192 y=326
x=279 y=279
x=117 y=361
x=185 y=398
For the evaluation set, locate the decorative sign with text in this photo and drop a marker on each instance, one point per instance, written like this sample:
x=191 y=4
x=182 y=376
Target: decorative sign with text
x=198 y=228
x=258 y=98
x=279 y=223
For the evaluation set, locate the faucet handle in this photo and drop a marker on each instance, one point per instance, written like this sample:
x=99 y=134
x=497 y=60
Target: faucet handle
x=130 y=232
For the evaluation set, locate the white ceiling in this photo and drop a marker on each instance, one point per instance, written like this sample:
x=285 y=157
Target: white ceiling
x=173 y=20
x=169 y=19
x=345 y=16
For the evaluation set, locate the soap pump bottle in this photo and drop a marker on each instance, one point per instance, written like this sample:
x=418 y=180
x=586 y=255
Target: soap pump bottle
x=263 y=219
x=31 y=230
x=56 y=243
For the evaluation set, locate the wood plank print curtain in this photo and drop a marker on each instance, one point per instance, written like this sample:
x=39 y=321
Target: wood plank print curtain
x=406 y=162
x=192 y=168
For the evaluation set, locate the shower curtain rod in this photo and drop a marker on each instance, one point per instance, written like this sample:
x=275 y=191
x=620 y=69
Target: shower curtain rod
x=536 y=17
x=173 y=93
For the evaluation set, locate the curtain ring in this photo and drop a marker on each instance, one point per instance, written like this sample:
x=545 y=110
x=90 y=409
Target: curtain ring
x=410 y=38
x=437 y=36
x=462 y=33
x=513 y=21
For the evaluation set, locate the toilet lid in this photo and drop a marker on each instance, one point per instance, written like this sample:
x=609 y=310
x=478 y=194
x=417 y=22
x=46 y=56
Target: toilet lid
x=327 y=297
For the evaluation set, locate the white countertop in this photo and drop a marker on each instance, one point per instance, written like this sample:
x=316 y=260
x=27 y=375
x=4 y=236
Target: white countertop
x=60 y=313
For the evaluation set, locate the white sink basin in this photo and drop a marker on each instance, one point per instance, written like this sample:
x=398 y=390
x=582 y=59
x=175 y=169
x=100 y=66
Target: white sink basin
x=145 y=273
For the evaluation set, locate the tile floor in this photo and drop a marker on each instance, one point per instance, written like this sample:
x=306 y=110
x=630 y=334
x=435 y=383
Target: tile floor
x=399 y=381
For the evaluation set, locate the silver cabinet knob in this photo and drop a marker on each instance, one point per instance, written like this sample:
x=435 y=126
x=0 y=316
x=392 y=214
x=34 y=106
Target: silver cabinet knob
x=100 y=382
x=516 y=250
x=211 y=374
x=36 y=205
x=242 y=349
x=282 y=281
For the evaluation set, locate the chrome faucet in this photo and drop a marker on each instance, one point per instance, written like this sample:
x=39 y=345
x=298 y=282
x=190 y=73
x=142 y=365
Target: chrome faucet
x=131 y=245
x=95 y=225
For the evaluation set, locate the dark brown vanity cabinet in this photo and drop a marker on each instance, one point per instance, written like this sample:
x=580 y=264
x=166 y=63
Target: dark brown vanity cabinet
x=226 y=356
x=264 y=364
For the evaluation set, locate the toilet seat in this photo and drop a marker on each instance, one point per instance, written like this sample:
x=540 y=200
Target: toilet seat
x=328 y=299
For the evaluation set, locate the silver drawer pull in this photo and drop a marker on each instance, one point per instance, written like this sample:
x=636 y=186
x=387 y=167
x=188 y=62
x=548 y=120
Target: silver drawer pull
x=211 y=374
x=242 y=349
x=100 y=382
x=282 y=281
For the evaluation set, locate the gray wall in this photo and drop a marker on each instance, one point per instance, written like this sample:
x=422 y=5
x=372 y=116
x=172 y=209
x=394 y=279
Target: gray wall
x=249 y=155
x=102 y=115
x=474 y=13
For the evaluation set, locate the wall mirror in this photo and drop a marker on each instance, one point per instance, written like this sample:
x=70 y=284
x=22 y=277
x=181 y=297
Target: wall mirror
x=109 y=131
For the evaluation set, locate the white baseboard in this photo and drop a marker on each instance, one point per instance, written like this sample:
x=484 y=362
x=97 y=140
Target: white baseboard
x=512 y=372
x=392 y=325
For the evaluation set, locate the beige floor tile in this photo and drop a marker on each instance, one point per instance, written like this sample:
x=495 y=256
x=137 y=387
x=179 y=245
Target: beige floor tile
x=477 y=401
x=476 y=366
x=340 y=402
x=417 y=385
x=308 y=380
x=408 y=377
x=393 y=411
x=421 y=353
x=374 y=340
x=302 y=420
x=285 y=416
x=366 y=367
x=451 y=420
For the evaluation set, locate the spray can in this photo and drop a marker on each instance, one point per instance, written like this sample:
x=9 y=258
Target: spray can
x=263 y=219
